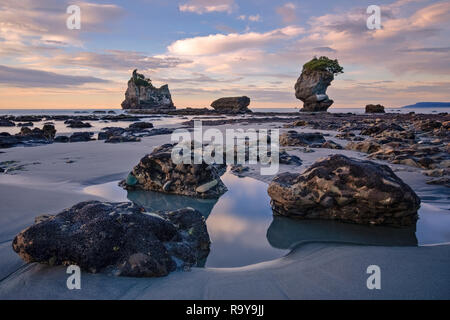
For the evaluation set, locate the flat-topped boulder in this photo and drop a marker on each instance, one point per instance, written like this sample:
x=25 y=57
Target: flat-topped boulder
x=232 y=105
x=117 y=238
x=142 y=95
x=158 y=172
x=345 y=189
x=374 y=108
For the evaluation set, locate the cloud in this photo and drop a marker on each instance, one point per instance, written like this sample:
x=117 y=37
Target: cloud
x=20 y=77
x=251 y=18
x=434 y=49
x=117 y=60
x=400 y=29
x=220 y=43
x=28 y=24
x=255 y=18
x=207 y=6
x=287 y=13
x=197 y=77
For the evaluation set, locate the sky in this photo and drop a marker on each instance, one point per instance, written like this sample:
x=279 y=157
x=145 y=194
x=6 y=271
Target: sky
x=207 y=49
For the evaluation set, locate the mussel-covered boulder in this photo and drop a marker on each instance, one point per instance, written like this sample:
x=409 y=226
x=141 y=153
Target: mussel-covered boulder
x=158 y=172
x=117 y=238
x=341 y=188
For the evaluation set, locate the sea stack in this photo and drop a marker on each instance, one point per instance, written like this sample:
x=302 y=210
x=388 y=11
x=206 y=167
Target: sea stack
x=313 y=82
x=142 y=95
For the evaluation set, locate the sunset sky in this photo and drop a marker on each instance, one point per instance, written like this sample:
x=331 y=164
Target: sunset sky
x=207 y=49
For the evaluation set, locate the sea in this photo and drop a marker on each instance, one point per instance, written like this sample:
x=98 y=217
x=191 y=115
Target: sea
x=256 y=110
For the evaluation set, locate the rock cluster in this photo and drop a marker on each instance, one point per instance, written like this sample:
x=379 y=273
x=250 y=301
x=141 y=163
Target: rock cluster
x=341 y=188
x=157 y=172
x=28 y=136
x=232 y=105
x=118 y=238
x=141 y=94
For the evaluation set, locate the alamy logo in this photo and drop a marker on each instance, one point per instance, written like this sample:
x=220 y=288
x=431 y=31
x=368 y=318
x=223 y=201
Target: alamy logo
x=374 y=280
x=374 y=20
x=74 y=280
x=241 y=147
x=74 y=20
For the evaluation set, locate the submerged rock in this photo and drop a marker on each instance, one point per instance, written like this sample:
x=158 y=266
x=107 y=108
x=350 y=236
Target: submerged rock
x=350 y=190
x=232 y=105
x=157 y=172
x=141 y=94
x=118 y=238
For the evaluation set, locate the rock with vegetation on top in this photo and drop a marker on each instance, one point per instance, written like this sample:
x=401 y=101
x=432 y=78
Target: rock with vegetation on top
x=117 y=238
x=141 y=94
x=345 y=189
x=313 y=82
x=157 y=172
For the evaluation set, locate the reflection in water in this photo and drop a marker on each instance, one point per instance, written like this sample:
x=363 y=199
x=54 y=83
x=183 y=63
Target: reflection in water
x=243 y=230
x=284 y=233
x=154 y=201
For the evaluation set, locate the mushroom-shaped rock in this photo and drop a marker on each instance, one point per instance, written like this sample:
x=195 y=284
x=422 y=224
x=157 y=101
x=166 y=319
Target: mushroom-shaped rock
x=313 y=82
x=345 y=189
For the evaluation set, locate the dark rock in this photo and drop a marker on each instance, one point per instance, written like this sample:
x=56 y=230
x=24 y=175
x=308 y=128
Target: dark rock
x=157 y=172
x=120 y=139
x=311 y=88
x=379 y=128
x=141 y=125
x=61 y=139
x=367 y=146
x=6 y=123
x=341 y=188
x=302 y=139
x=25 y=124
x=117 y=238
x=239 y=169
x=443 y=181
x=141 y=94
x=374 y=108
x=77 y=124
x=232 y=105
x=286 y=158
x=81 y=137
x=330 y=144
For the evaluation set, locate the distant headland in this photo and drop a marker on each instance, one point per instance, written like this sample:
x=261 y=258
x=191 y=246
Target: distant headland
x=429 y=105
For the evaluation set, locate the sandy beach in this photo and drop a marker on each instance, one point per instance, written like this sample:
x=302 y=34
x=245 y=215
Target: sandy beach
x=323 y=265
